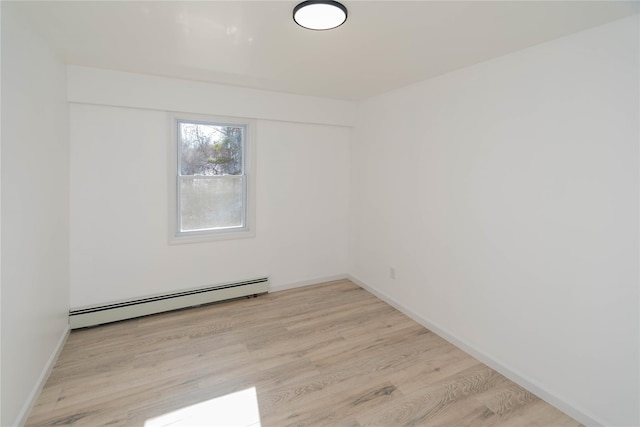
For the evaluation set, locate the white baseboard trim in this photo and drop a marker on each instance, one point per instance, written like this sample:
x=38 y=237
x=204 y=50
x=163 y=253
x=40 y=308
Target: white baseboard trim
x=316 y=281
x=42 y=379
x=512 y=374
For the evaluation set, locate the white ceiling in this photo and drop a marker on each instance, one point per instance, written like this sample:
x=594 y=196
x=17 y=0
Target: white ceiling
x=382 y=46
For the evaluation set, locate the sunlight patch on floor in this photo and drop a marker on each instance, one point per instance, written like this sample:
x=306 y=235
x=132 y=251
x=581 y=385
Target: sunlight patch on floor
x=231 y=410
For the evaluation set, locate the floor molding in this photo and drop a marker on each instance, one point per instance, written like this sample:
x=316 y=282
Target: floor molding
x=42 y=379
x=316 y=281
x=502 y=368
x=326 y=354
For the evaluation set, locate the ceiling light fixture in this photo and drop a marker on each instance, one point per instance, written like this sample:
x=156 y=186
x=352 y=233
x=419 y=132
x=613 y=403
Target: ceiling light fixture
x=320 y=14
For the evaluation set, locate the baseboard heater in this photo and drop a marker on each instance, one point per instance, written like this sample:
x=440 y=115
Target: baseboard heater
x=99 y=314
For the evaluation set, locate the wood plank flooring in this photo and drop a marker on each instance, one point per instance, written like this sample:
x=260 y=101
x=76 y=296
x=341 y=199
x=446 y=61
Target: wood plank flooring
x=324 y=355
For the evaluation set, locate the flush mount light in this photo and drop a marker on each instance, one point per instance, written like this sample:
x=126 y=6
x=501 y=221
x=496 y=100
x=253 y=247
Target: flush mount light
x=319 y=14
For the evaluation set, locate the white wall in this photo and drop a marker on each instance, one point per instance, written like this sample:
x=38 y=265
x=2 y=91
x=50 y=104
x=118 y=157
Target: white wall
x=119 y=190
x=116 y=88
x=35 y=213
x=505 y=195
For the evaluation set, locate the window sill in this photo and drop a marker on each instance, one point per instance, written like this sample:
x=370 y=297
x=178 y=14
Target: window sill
x=210 y=237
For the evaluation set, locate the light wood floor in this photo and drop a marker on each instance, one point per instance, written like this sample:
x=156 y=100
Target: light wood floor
x=325 y=355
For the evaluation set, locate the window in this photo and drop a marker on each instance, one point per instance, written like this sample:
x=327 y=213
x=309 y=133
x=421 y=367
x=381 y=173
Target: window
x=212 y=183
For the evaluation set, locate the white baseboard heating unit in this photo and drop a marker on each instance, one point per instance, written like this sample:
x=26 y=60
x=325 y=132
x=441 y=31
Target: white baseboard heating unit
x=99 y=314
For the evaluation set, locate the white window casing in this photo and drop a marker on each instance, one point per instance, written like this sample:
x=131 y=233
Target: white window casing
x=211 y=178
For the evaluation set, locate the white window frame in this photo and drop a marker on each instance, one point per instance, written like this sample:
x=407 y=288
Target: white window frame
x=176 y=236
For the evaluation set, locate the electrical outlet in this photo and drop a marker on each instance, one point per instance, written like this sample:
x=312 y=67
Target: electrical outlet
x=392 y=273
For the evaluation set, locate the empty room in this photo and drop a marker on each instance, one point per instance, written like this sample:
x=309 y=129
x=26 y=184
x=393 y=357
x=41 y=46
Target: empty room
x=320 y=213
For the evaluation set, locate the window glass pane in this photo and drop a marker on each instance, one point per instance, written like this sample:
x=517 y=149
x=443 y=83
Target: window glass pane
x=210 y=203
x=208 y=149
